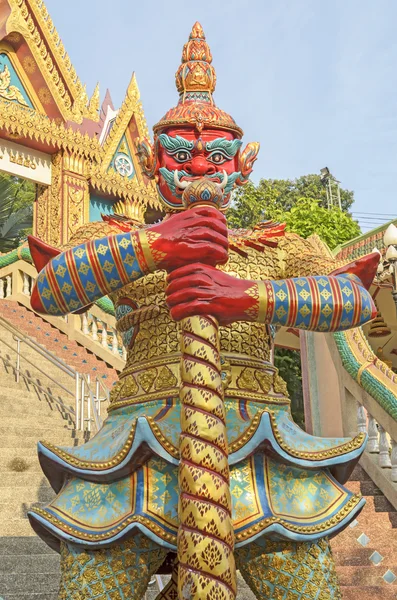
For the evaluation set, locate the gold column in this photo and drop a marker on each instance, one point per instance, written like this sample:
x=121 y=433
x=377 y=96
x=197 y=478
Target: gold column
x=205 y=536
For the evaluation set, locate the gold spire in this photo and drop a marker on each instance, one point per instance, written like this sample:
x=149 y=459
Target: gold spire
x=93 y=105
x=195 y=82
x=196 y=74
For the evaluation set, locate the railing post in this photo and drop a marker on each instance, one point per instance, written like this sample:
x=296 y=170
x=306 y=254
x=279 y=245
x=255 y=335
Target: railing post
x=77 y=401
x=25 y=288
x=115 y=342
x=94 y=329
x=384 y=447
x=373 y=435
x=18 y=365
x=84 y=324
x=9 y=286
x=361 y=418
x=394 y=461
x=82 y=404
x=89 y=403
x=104 y=335
x=98 y=400
x=1 y=289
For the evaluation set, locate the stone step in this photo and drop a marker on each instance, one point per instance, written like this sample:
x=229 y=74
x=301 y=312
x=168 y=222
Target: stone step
x=42 y=422
x=12 y=513
x=34 y=582
x=54 y=340
x=368 y=593
x=368 y=576
x=18 y=480
x=48 y=431
x=30 y=408
x=24 y=441
x=21 y=545
x=13 y=464
x=18 y=494
x=29 y=596
x=19 y=526
x=28 y=563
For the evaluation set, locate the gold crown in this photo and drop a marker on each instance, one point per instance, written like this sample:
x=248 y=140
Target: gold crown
x=195 y=81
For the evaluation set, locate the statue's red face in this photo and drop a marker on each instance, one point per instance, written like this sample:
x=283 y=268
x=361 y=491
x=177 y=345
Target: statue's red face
x=212 y=153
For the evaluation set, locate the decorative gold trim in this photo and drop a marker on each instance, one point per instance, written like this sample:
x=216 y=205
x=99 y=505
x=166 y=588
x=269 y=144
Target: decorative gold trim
x=140 y=194
x=321 y=527
x=33 y=22
x=262 y=312
x=57 y=48
x=248 y=433
x=116 y=460
x=30 y=124
x=160 y=395
x=131 y=107
x=103 y=536
x=240 y=537
x=20 y=71
x=147 y=253
x=345 y=448
x=361 y=370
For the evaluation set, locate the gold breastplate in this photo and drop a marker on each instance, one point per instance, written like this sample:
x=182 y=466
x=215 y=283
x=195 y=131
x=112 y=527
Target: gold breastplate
x=153 y=357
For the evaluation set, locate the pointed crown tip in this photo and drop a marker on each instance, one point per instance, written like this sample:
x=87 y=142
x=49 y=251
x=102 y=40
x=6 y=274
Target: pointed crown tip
x=197 y=31
x=195 y=81
x=196 y=74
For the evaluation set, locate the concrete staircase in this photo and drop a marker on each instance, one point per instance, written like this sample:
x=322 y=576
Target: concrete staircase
x=28 y=568
x=56 y=342
x=374 y=531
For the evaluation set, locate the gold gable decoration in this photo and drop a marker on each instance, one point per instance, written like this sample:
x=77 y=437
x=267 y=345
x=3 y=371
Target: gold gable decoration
x=78 y=162
x=32 y=21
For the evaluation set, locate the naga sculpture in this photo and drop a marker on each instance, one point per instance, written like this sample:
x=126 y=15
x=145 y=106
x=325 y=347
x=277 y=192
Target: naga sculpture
x=199 y=467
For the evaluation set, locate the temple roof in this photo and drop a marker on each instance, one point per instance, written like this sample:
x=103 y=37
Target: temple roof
x=44 y=105
x=364 y=243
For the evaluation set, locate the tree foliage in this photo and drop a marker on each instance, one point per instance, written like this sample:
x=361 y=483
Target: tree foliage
x=16 y=211
x=288 y=363
x=252 y=204
x=307 y=217
x=302 y=205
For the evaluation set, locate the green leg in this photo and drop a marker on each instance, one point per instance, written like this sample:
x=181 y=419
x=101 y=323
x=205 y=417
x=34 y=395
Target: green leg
x=121 y=572
x=289 y=571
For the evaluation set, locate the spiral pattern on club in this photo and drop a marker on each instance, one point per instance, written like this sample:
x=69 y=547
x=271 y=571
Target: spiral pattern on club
x=205 y=536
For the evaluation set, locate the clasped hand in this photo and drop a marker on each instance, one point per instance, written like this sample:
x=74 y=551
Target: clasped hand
x=194 y=242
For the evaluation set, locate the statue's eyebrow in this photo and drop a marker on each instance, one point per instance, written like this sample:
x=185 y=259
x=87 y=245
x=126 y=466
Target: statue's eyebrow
x=228 y=147
x=173 y=144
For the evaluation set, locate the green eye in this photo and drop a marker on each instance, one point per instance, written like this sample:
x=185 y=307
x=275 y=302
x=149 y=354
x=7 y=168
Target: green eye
x=182 y=156
x=217 y=158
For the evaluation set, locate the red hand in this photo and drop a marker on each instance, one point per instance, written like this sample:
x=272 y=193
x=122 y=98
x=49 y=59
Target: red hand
x=199 y=290
x=197 y=234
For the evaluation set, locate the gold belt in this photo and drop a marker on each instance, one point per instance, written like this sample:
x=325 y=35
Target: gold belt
x=243 y=377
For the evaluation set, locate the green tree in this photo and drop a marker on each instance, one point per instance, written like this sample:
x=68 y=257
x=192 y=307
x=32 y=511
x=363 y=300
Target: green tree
x=302 y=205
x=252 y=204
x=288 y=362
x=16 y=211
x=307 y=217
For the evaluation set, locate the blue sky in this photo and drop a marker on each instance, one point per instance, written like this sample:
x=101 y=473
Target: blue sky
x=313 y=81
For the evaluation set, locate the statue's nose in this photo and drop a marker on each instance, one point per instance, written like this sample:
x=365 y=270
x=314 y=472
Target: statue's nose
x=200 y=166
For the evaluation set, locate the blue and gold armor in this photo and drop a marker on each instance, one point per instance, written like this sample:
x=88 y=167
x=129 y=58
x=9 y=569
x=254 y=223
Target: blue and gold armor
x=286 y=485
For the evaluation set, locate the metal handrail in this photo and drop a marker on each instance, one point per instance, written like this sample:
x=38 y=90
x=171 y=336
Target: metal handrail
x=37 y=347
x=82 y=381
